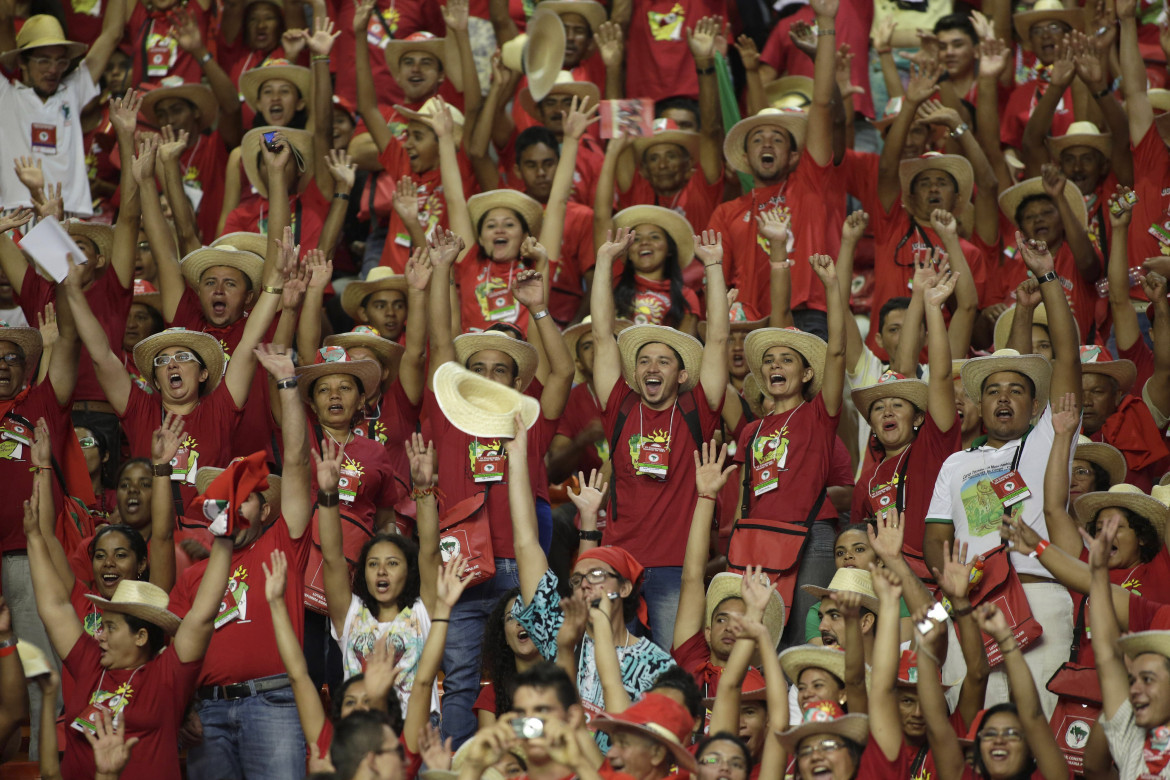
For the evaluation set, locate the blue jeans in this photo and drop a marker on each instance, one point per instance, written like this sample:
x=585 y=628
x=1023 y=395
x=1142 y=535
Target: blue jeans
x=817 y=566
x=464 y=644
x=255 y=738
x=660 y=586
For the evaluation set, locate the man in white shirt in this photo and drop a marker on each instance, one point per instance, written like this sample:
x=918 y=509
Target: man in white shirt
x=1003 y=473
x=41 y=117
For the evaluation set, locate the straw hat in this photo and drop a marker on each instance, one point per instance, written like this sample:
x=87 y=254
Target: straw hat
x=1104 y=455
x=826 y=717
x=891 y=385
x=389 y=353
x=675 y=225
x=573 y=335
x=1127 y=497
x=302 y=146
x=734 y=145
x=196 y=264
x=796 y=659
x=416 y=41
x=658 y=718
x=426 y=114
x=754 y=396
x=740 y=320
x=667 y=131
x=147 y=294
x=380 y=278
x=956 y=165
x=527 y=360
x=256 y=243
x=632 y=339
x=563 y=84
x=1095 y=360
x=976 y=370
x=1043 y=11
x=726 y=585
x=1003 y=323
x=811 y=347
x=29 y=341
x=207 y=474
x=1011 y=198
x=141 y=600
x=204 y=345
x=102 y=236
x=1141 y=642
x=591 y=11
x=857 y=581
x=538 y=53
x=480 y=407
x=38 y=31
x=525 y=206
x=32 y=659
x=1082 y=134
x=198 y=95
x=252 y=80
x=790 y=92
x=332 y=360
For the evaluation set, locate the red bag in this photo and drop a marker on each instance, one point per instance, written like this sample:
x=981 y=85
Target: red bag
x=772 y=542
x=463 y=529
x=1072 y=719
x=1001 y=586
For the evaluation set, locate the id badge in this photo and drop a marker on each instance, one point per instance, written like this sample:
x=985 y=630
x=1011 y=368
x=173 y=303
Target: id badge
x=765 y=476
x=653 y=459
x=44 y=138
x=16 y=432
x=488 y=468
x=884 y=497
x=1010 y=488
x=194 y=195
x=158 y=58
x=184 y=465
x=348 y=484
x=87 y=719
x=501 y=305
x=229 y=609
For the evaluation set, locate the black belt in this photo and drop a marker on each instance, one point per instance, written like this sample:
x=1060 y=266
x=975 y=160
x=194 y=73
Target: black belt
x=242 y=690
x=21 y=552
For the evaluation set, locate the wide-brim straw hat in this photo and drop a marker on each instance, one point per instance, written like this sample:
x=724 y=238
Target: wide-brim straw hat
x=754 y=395
x=207 y=474
x=379 y=278
x=389 y=353
x=1104 y=455
x=302 y=144
x=676 y=226
x=655 y=717
x=667 y=131
x=591 y=11
x=726 y=585
x=812 y=347
x=1011 y=198
x=632 y=339
x=857 y=581
x=1095 y=360
x=1129 y=497
x=338 y=361
x=102 y=236
x=1141 y=642
x=206 y=346
x=39 y=31
x=147 y=294
x=141 y=600
x=1004 y=322
x=426 y=114
x=1043 y=11
x=418 y=41
x=852 y=727
x=256 y=243
x=955 y=165
x=32 y=659
x=1082 y=134
x=734 y=149
x=479 y=406
x=790 y=92
x=251 y=80
x=249 y=264
x=525 y=206
x=538 y=53
x=525 y=355
x=891 y=385
x=29 y=341
x=976 y=370
x=573 y=335
x=563 y=84
x=796 y=659
x=197 y=95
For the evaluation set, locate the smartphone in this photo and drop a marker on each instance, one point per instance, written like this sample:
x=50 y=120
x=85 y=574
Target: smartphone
x=271 y=142
x=936 y=614
x=597 y=602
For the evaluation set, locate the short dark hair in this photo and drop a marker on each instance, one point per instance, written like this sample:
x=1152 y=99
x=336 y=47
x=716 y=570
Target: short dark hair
x=681 y=103
x=535 y=136
x=515 y=365
x=546 y=675
x=960 y=22
x=393 y=706
x=1028 y=379
x=893 y=304
x=410 y=588
x=1028 y=201
x=726 y=736
x=678 y=679
x=156 y=638
x=354 y=737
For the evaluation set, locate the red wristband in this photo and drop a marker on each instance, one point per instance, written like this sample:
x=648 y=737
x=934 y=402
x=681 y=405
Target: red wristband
x=1041 y=546
x=7 y=651
x=709 y=498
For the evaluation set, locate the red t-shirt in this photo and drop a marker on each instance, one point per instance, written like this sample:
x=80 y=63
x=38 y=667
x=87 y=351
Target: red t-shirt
x=840 y=475
x=590 y=157
x=919 y=464
x=580 y=412
x=110 y=302
x=651 y=305
x=861 y=178
x=815 y=227
x=485 y=294
x=16 y=462
x=649 y=516
x=1152 y=187
x=150 y=701
x=243 y=646
x=307 y=216
x=1082 y=295
x=203 y=165
x=577 y=258
x=658 y=60
x=486 y=700
x=155 y=47
x=1020 y=105
x=1143 y=358
x=696 y=201
x=1151 y=579
x=392 y=424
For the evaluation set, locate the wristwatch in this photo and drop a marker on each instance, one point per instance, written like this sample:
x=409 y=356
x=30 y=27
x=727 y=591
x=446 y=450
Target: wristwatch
x=589 y=536
x=1048 y=277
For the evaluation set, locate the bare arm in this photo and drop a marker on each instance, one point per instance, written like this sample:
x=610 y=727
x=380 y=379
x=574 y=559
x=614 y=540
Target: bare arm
x=164 y=443
x=195 y=631
x=113 y=25
x=1066 y=364
x=530 y=558
x=818 y=143
x=884 y=723
x=702 y=44
x=1103 y=621
x=1125 y=321
x=424 y=478
x=111 y=374
x=713 y=367
x=833 y=385
x=124 y=117
x=53 y=607
x=1158 y=387
x=851 y=233
x=336 y=574
x=944 y=743
x=921 y=87
x=1062 y=529
x=607 y=361
x=1133 y=74
x=367 y=98
x=226 y=96
x=296 y=505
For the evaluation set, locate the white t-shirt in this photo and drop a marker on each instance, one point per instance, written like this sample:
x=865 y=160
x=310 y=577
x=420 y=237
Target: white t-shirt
x=1127 y=740
x=963 y=494
x=50 y=131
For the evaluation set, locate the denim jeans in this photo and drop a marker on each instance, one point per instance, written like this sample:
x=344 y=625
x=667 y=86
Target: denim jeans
x=660 y=586
x=257 y=738
x=26 y=623
x=812 y=321
x=816 y=568
x=464 y=645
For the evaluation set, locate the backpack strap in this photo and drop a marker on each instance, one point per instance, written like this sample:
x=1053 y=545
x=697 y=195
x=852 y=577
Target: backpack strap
x=629 y=401
x=690 y=410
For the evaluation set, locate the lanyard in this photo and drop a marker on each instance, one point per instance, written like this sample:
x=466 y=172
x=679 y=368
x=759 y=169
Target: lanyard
x=900 y=500
x=780 y=427
x=669 y=430
x=914 y=228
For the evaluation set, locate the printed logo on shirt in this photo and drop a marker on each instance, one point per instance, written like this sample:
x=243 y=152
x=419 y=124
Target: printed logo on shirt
x=87 y=7
x=667 y=26
x=234 y=605
x=376 y=32
x=1076 y=736
x=92 y=623
x=496 y=302
x=350 y=480
x=103 y=702
x=650 y=308
x=771 y=448
x=1133 y=585
x=982 y=506
x=637 y=441
x=185 y=464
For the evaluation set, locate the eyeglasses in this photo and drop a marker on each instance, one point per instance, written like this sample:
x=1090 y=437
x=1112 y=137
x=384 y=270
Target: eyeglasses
x=1007 y=735
x=593 y=577
x=143 y=246
x=1081 y=471
x=1056 y=28
x=731 y=763
x=12 y=358
x=50 y=62
x=825 y=746
x=178 y=357
x=86 y=442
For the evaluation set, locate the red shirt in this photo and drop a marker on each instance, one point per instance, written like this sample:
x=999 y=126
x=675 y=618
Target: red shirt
x=1151 y=157
x=203 y=166
x=649 y=516
x=1082 y=295
x=696 y=201
x=1020 y=105
x=15 y=475
x=580 y=412
x=1151 y=579
x=577 y=258
x=155 y=47
x=590 y=157
x=110 y=302
x=840 y=475
x=391 y=425
x=919 y=465
x=816 y=221
x=1143 y=358
x=658 y=59
x=486 y=700
x=651 y=305
x=151 y=702
x=307 y=216
x=861 y=178
x=485 y=294
x=244 y=647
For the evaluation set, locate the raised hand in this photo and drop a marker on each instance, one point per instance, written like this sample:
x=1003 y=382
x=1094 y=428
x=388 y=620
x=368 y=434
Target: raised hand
x=940 y=291
x=1120 y=207
x=580 y=116
x=319 y=268
x=172 y=144
x=293 y=42
x=47 y=325
x=443 y=246
x=1036 y=255
x=1028 y=294
x=944 y=223
x=442 y=121
x=590 y=493
x=923 y=81
x=30 y=173
x=933 y=642
x=710 y=474
x=32 y=509
x=883 y=33
x=528 y=288
x=1101 y=547
x=576 y=611
x=405 y=200
x=757 y=589
x=186 y=33
x=165 y=440
x=143 y=167
x=424 y=472
x=610 y=44
x=452 y=580
x=1066 y=414
x=774 y=224
x=381 y=671
x=933 y=112
x=709 y=247
x=434 y=751
x=843 y=72
x=749 y=55
x=825 y=7
x=111 y=749
x=41 y=454
x=702 y=38
x=344 y=171
x=419 y=269
x=276 y=360
x=887 y=585
x=455 y=14
x=362 y=12
x=1054 y=181
x=955 y=578
x=886 y=535
x=1064 y=68
x=1089 y=64
x=295 y=286
x=124 y=111
x=1154 y=286
x=848 y=603
x=993 y=58
x=275 y=575
x=1020 y=537
x=992 y=622
x=825 y=269
x=276 y=159
x=803 y=37
x=50 y=204
x=615 y=245
x=321 y=41
x=15 y=219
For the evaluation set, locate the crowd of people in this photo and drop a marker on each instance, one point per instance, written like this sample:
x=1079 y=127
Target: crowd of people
x=550 y=388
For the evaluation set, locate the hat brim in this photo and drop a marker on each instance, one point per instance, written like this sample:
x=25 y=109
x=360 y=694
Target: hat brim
x=1123 y=371
x=592 y=12
x=301 y=141
x=676 y=225
x=102 y=236
x=582 y=90
x=632 y=339
x=355 y=292
x=529 y=208
x=955 y=165
x=256 y=243
x=1003 y=323
x=688 y=141
x=1102 y=142
x=681 y=755
x=853 y=727
x=11 y=58
x=746 y=326
x=734 y=148
x=1107 y=457
x=1088 y=505
x=252 y=80
x=197 y=95
x=573 y=335
x=796 y=659
x=206 y=346
x=30 y=343
x=776 y=91
x=389 y=353
x=196 y=264
x=726 y=585
x=163 y=618
x=1141 y=642
x=206 y=475
x=754 y=396
x=153 y=300
x=395 y=49
x=869 y=602
x=32 y=659
x=428 y=119
x=1024 y=20
x=522 y=352
x=976 y=370
x=913 y=390
x=1011 y=198
x=368 y=372
x=811 y=347
x=480 y=407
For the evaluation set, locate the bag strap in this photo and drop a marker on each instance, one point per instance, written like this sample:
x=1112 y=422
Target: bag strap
x=690 y=410
x=900 y=493
x=624 y=409
x=1079 y=631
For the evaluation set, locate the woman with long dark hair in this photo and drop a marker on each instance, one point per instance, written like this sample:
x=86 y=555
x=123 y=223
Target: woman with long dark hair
x=508 y=650
x=650 y=289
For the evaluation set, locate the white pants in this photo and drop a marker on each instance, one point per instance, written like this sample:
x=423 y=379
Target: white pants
x=1052 y=607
